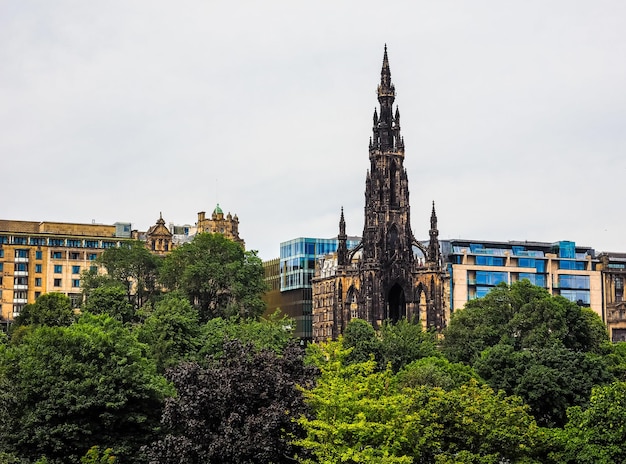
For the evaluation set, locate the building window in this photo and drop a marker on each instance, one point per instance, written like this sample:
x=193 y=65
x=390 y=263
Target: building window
x=21 y=253
x=38 y=268
x=572 y=265
x=1 y=253
x=56 y=255
x=92 y=256
x=574 y=281
x=38 y=241
x=74 y=255
x=38 y=254
x=58 y=268
x=21 y=267
x=489 y=261
x=37 y=295
x=57 y=282
x=37 y=281
x=75 y=269
x=75 y=283
x=1 y=267
x=491 y=278
x=91 y=243
x=74 y=243
x=619 y=288
x=536 y=279
x=581 y=297
x=19 y=240
x=76 y=299
x=57 y=242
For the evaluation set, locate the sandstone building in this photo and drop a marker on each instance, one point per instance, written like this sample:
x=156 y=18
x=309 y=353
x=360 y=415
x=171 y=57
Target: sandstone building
x=43 y=257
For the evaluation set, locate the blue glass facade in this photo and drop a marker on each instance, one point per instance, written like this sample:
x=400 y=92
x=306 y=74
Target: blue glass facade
x=561 y=267
x=298 y=256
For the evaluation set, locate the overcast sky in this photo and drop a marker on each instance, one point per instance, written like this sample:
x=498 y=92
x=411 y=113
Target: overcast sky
x=513 y=114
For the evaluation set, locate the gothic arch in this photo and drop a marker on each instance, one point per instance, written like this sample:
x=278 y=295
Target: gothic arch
x=420 y=246
x=352 y=252
x=396 y=303
x=351 y=303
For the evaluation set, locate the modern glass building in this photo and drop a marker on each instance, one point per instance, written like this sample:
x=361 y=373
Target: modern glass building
x=298 y=256
x=295 y=270
x=563 y=268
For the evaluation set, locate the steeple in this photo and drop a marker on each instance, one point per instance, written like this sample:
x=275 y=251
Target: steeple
x=342 y=239
x=433 y=244
x=387 y=235
x=386 y=127
x=385 y=87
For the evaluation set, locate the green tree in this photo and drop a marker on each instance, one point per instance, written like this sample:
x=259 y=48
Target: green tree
x=50 y=309
x=171 y=331
x=111 y=300
x=397 y=343
x=273 y=333
x=436 y=372
x=132 y=266
x=363 y=340
x=545 y=349
x=405 y=342
x=361 y=414
x=218 y=276
x=550 y=379
x=474 y=424
x=596 y=434
x=94 y=456
x=525 y=317
x=357 y=415
x=79 y=386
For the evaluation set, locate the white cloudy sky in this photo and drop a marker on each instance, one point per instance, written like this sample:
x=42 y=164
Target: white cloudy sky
x=513 y=114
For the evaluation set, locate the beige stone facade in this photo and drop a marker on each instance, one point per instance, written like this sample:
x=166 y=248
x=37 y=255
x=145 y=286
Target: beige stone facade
x=219 y=224
x=159 y=238
x=44 y=257
x=613 y=269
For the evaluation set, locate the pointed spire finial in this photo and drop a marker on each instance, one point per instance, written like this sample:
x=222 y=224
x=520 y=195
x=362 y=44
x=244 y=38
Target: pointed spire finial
x=385 y=73
x=433 y=218
x=342 y=224
x=342 y=248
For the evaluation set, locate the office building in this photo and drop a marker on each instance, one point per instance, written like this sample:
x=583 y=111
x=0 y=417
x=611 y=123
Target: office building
x=289 y=279
x=45 y=257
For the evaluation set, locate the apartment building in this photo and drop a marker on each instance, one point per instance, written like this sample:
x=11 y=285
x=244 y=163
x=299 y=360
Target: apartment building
x=44 y=257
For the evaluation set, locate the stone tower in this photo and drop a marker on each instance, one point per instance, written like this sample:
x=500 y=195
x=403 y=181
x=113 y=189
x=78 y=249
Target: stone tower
x=389 y=275
x=219 y=224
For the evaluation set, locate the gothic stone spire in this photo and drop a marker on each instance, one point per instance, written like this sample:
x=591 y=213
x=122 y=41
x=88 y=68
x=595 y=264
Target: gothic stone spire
x=386 y=126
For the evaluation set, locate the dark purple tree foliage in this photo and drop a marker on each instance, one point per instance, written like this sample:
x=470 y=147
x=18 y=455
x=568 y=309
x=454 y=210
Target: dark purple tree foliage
x=239 y=409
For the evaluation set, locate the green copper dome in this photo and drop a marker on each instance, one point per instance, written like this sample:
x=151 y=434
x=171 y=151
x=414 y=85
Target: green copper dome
x=218 y=210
